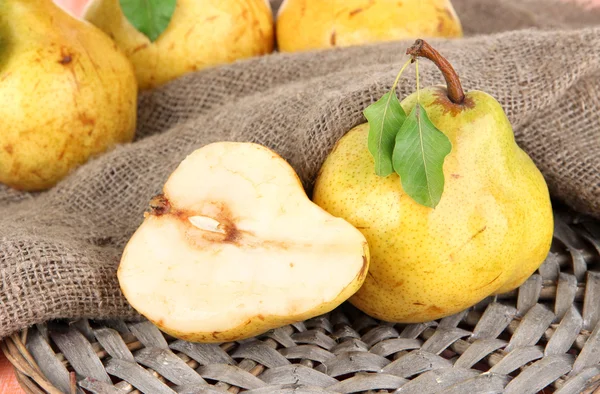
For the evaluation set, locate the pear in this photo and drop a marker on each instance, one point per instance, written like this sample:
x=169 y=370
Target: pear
x=234 y=247
x=490 y=231
x=315 y=24
x=201 y=34
x=66 y=94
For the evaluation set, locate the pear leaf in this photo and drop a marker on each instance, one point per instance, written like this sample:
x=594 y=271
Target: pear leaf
x=150 y=17
x=419 y=156
x=385 y=117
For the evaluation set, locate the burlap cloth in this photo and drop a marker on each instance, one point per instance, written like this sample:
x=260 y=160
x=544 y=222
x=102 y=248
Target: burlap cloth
x=59 y=250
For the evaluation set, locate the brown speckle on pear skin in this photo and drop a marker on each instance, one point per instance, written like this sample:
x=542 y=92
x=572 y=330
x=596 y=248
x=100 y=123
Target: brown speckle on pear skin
x=435 y=309
x=62 y=153
x=440 y=25
x=332 y=38
x=66 y=59
x=139 y=48
x=354 y=12
x=372 y=277
x=86 y=120
x=490 y=282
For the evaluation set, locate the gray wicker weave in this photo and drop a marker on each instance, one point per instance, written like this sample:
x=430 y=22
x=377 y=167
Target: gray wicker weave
x=545 y=336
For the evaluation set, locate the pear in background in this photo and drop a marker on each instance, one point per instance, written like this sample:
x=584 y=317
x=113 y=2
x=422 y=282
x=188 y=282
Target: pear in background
x=66 y=93
x=490 y=231
x=315 y=24
x=200 y=34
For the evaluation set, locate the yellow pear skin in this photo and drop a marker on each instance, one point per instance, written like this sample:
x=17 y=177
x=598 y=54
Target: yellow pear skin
x=491 y=230
x=316 y=24
x=201 y=34
x=66 y=93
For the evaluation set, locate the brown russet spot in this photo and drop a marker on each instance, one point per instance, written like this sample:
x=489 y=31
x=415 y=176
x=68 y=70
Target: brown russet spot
x=86 y=120
x=361 y=9
x=37 y=173
x=448 y=106
x=9 y=149
x=364 y=267
x=291 y=265
x=456 y=176
x=440 y=25
x=66 y=59
x=139 y=48
x=62 y=153
x=479 y=232
x=261 y=317
x=332 y=38
x=418 y=303
x=211 y=18
x=190 y=30
x=354 y=12
x=398 y=283
x=490 y=282
x=434 y=309
x=370 y=274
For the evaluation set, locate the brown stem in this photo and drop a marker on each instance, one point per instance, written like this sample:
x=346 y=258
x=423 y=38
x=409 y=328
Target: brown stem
x=422 y=49
x=159 y=205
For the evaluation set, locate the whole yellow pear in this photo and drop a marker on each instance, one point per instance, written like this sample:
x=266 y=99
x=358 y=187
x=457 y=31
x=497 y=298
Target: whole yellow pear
x=315 y=24
x=201 y=33
x=490 y=231
x=66 y=93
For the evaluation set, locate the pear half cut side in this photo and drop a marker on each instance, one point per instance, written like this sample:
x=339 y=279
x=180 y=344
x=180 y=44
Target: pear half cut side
x=233 y=247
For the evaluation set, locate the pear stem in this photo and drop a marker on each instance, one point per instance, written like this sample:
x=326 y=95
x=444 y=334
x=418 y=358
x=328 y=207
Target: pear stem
x=422 y=49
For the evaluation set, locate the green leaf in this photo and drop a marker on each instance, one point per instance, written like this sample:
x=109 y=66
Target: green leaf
x=150 y=17
x=419 y=158
x=385 y=117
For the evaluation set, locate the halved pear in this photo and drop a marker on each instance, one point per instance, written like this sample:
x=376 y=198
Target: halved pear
x=234 y=247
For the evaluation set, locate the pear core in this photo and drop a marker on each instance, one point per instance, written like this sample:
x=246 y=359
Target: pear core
x=234 y=247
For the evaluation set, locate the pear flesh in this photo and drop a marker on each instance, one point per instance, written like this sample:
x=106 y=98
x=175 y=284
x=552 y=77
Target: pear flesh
x=491 y=230
x=200 y=34
x=234 y=247
x=66 y=93
x=315 y=24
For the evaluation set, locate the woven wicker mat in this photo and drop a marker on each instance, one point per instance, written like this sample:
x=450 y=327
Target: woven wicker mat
x=545 y=335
